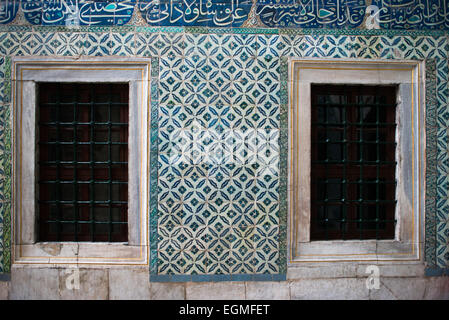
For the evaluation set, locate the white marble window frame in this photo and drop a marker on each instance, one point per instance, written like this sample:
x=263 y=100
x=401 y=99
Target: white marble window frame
x=27 y=72
x=410 y=172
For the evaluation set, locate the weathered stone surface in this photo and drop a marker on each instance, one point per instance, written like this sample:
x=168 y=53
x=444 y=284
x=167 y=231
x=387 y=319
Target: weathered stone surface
x=215 y=291
x=404 y=288
x=397 y=270
x=437 y=288
x=34 y=283
x=129 y=284
x=383 y=293
x=329 y=289
x=317 y=272
x=4 y=290
x=133 y=283
x=167 y=291
x=93 y=284
x=267 y=290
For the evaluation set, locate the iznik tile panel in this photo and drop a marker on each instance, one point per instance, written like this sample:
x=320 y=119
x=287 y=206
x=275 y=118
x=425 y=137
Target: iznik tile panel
x=215 y=209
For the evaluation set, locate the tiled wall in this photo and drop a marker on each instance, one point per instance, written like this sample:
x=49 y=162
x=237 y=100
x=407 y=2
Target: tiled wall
x=228 y=218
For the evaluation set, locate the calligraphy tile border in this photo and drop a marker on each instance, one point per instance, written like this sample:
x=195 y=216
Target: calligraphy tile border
x=18 y=11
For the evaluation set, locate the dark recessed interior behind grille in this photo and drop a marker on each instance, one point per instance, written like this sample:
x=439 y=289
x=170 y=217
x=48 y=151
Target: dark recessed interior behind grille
x=83 y=162
x=353 y=162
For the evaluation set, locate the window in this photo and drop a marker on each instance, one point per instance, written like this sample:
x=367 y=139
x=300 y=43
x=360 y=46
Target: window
x=80 y=150
x=83 y=162
x=353 y=162
x=356 y=144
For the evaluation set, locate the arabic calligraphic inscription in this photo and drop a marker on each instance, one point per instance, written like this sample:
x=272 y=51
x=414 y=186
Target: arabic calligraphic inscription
x=8 y=10
x=57 y=12
x=383 y=14
x=312 y=14
x=391 y=14
x=226 y=13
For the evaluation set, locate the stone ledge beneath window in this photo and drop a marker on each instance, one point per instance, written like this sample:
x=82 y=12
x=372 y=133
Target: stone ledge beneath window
x=86 y=254
x=355 y=250
x=353 y=270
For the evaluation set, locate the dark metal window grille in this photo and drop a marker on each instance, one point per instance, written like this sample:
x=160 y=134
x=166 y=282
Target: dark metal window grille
x=353 y=162
x=83 y=162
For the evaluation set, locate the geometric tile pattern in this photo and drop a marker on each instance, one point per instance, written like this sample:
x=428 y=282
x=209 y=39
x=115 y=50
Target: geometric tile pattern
x=216 y=210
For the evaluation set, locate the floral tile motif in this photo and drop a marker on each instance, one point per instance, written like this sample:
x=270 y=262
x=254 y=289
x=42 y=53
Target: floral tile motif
x=408 y=47
x=17 y=43
x=61 y=43
x=121 y=44
x=148 y=44
x=41 y=43
x=98 y=44
x=268 y=44
x=442 y=250
x=289 y=45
